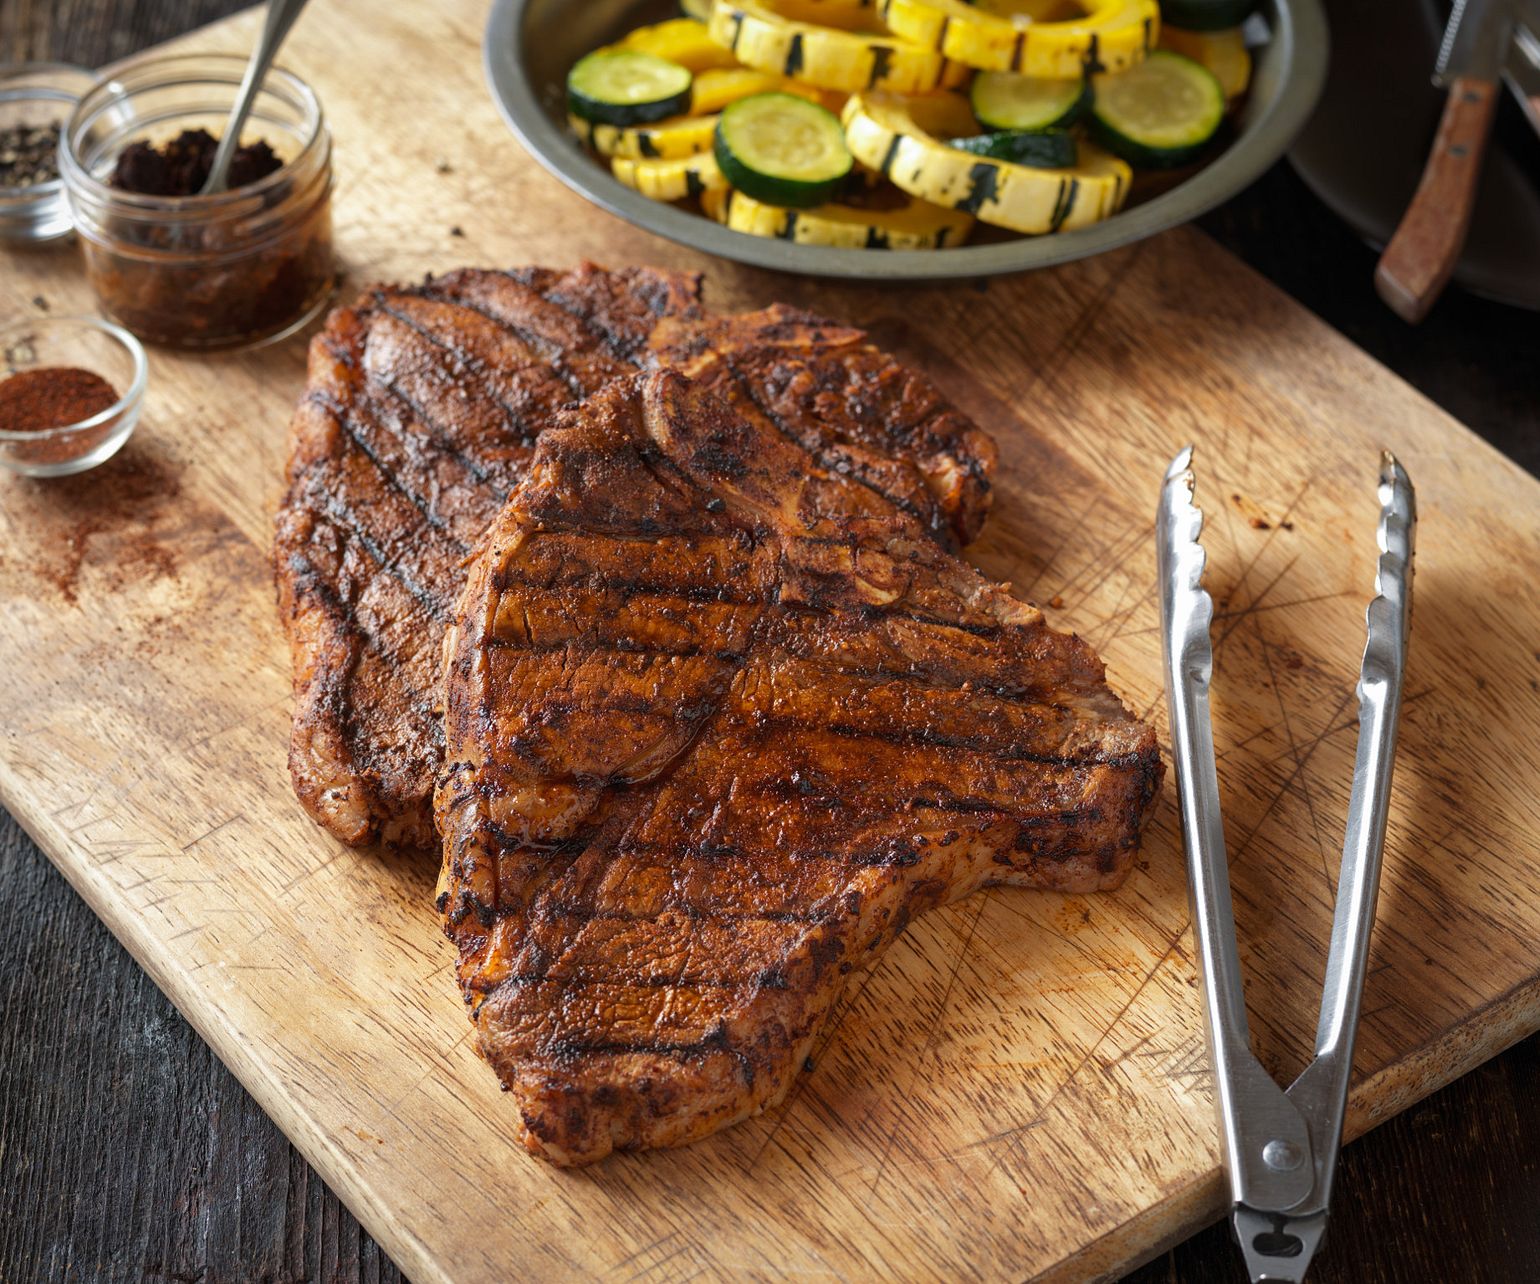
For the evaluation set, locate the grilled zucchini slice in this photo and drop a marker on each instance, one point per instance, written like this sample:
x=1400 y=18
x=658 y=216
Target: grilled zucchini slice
x=782 y=150
x=761 y=34
x=666 y=140
x=911 y=224
x=1109 y=36
x=1222 y=52
x=1042 y=149
x=627 y=87
x=1004 y=100
x=905 y=139
x=1160 y=114
x=681 y=40
x=670 y=180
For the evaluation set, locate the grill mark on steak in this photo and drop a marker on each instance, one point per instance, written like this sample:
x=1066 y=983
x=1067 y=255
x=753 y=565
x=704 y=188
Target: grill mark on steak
x=670 y=760
x=343 y=518
x=473 y=367
x=423 y=408
x=442 y=439
x=309 y=580
x=939 y=740
x=821 y=457
x=635 y=588
x=345 y=420
x=621 y=347
x=548 y=347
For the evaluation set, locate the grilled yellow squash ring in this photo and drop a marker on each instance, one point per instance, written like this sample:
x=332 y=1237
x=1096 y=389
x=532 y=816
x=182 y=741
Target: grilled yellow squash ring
x=1111 y=36
x=714 y=89
x=667 y=140
x=681 y=40
x=913 y=225
x=670 y=180
x=904 y=138
x=762 y=34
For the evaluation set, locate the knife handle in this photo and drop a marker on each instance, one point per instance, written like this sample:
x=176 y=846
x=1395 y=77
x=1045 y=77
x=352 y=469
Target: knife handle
x=1416 y=264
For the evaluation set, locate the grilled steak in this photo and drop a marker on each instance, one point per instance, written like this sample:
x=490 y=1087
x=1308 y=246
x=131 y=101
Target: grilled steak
x=423 y=408
x=856 y=410
x=720 y=720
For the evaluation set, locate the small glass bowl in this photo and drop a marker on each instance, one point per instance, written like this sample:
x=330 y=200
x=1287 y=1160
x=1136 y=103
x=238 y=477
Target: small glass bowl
x=38 y=93
x=91 y=344
x=244 y=266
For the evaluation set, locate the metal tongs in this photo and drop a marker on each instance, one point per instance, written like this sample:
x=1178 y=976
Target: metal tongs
x=1280 y=1148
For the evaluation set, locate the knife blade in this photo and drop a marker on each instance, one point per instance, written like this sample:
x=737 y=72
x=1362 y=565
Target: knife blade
x=1421 y=255
x=1521 y=72
x=1475 y=42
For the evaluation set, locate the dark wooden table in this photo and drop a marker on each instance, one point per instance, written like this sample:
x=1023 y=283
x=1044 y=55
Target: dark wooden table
x=127 y=1152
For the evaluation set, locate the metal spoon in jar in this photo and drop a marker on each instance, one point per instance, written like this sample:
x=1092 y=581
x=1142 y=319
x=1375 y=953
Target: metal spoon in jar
x=280 y=17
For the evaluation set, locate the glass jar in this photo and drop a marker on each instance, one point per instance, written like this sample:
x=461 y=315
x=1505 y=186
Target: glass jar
x=217 y=271
x=82 y=343
x=38 y=94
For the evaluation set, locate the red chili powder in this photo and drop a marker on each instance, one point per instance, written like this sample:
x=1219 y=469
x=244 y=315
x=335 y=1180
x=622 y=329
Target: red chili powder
x=52 y=397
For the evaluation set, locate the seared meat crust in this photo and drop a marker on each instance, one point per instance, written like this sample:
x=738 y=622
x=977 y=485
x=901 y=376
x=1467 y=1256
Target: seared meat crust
x=720 y=720
x=423 y=408
x=858 y=412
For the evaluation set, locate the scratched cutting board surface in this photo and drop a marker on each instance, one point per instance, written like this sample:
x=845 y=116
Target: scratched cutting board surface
x=1019 y=1088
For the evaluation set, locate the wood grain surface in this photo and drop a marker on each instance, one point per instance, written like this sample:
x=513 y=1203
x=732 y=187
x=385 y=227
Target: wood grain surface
x=260 y=929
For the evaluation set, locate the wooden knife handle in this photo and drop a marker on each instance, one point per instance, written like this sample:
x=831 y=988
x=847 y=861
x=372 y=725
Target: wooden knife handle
x=1421 y=255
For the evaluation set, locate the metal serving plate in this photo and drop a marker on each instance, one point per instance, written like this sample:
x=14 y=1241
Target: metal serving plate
x=531 y=44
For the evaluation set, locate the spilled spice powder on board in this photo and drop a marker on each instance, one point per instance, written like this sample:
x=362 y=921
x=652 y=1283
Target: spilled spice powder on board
x=112 y=508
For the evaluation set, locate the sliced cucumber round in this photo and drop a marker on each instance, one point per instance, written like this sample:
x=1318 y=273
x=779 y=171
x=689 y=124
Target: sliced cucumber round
x=1159 y=114
x=1205 y=15
x=627 y=87
x=1003 y=100
x=1050 y=149
x=782 y=150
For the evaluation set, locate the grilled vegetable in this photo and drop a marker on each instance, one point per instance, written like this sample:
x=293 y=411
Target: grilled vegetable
x=1160 y=114
x=700 y=10
x=911 y=225
x=627 y=87
x=1050 y=149
x=1222 y=52
x=905 y=139
x=1004 y=100
x=681 y=40
x=666 y=140
x=1110 y=35
x=714 y=89
x=782 y=150
x=670 y=180
x=1207 y=15
x=761 y=34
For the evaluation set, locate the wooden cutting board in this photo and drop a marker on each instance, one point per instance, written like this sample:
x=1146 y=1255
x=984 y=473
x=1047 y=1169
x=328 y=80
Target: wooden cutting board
x=1019 y=1088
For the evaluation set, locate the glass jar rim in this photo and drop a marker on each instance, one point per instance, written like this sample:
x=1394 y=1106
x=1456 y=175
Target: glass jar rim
x=11 y=72
x=214 y=66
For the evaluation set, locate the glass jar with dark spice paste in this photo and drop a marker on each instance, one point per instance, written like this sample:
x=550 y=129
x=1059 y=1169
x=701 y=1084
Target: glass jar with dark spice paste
x=248 y=264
